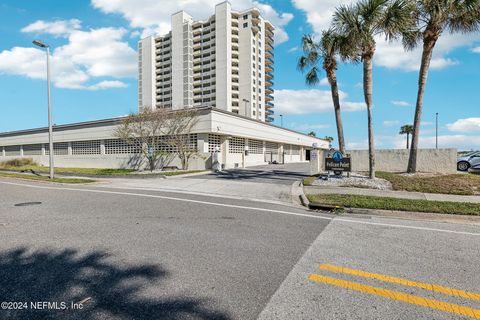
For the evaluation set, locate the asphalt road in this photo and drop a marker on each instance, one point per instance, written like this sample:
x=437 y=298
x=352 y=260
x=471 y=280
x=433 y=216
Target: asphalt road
x=271 y=174
x=143 y=257
x=145 y=254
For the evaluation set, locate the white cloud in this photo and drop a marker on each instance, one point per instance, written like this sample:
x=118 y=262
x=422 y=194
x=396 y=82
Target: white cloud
x=460 y=142
x=389 y=55
x=293 y=49
x=319 y=13
x=324 y=82
x=391 y=123
x=311 y=101
x=154 y=16
x=307 y=126
x=476 y=50
x=465 y=125
x=357 y=145
x=400 y=103
x=106 y=84
x=56 y=28
x=86 y=56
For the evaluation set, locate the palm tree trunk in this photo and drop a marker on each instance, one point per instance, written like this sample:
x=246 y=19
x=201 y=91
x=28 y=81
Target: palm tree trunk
x=332 y=78
x=367 y=90
x=408 y=136
x=428 y=46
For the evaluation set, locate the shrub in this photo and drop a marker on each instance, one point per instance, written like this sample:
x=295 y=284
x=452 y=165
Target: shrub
x=20 y=162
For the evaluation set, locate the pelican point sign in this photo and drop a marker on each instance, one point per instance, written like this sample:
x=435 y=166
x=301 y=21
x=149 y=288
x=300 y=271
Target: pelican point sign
x=337 y=162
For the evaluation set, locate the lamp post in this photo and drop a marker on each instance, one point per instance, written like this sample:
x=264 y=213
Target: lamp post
x=50 y=129
x=436 y=130
x=281 y=120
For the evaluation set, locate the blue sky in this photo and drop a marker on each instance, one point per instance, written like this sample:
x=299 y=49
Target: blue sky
x=94 y=60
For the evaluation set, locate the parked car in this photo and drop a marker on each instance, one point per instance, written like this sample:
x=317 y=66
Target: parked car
x=468 y=160
x=475 y=169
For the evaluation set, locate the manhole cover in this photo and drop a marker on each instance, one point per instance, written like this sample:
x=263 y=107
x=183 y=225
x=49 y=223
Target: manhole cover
x=24 y=204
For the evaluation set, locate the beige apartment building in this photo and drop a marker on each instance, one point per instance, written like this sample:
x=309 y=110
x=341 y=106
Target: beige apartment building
x=224 y=62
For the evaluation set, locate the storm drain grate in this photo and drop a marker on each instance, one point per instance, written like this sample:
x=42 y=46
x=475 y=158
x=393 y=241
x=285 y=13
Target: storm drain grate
x=24 y=204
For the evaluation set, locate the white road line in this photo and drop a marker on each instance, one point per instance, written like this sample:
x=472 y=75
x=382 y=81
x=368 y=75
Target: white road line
x=204 y=194
x=244 y=207
x=169 y=198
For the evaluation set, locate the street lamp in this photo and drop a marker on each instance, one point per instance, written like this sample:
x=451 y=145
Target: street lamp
x=436 y=130
x=281 y=120
x=50 y=130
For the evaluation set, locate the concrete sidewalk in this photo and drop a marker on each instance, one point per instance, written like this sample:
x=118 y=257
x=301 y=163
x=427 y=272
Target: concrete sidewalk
x=391 y=194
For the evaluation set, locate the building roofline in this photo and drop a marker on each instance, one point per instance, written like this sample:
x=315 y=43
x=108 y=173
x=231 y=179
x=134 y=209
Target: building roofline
x=115 y=120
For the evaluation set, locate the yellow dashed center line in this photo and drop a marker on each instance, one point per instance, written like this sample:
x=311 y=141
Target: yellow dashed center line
x=395 y=295
x=405 y=282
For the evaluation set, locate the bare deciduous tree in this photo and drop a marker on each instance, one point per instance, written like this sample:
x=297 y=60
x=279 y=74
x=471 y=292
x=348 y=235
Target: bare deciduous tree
x=145 y=131
x=160 y=135
x=180 y=126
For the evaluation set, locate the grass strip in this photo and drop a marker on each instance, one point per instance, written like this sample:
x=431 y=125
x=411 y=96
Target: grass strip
x=386 y=203
x=178 y=173
x=308 y=181
x=94 y=171
x=461 y=184
x=44 y=178
x=89 y=171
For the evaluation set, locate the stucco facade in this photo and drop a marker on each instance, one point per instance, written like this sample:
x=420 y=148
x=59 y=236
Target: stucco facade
x=225 y=61
x=238 y=141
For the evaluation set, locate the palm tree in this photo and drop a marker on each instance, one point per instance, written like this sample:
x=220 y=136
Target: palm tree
x=312 y=134
x=360 y=24
x=324 y=51
x=406 y=129
x=433 y=18
x=330 y=140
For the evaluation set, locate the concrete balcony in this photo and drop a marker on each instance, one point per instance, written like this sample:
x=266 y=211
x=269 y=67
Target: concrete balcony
x=268 y=46
x=268 y=97
x=269 y=119
x=268 y=75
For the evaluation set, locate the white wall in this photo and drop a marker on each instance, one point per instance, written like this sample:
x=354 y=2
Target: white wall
x=178 y=59
x=210 y=121
x=147 y=76
x=428 y=160
x=223 y=56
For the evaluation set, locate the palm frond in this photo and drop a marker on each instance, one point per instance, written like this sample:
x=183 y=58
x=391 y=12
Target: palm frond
x=411 y=39
x=464 y=16
x=312 y=77
x=398 y=18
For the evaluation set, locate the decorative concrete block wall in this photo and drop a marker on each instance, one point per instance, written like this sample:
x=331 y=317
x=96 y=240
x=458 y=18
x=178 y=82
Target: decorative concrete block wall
x=429 y=160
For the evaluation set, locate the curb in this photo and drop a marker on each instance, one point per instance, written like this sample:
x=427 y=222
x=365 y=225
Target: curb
x=298 y=196
x=405 y=215
x=418 y=216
